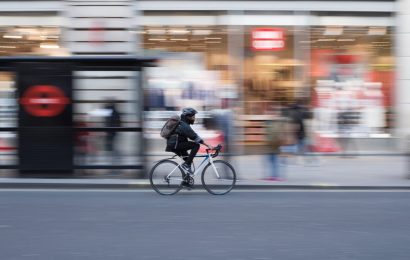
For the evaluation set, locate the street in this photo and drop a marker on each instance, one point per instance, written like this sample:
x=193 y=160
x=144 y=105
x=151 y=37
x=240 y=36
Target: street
x=104 y=224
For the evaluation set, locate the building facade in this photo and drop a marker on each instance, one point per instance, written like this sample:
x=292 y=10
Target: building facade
x=257 y=56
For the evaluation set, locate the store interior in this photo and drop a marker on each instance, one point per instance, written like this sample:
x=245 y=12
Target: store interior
x=30 y=40
x=259 y=80
x=296 y=71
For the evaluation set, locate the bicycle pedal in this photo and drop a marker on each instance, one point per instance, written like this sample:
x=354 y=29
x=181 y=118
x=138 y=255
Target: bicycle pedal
x=186 y=185
x=188 y=182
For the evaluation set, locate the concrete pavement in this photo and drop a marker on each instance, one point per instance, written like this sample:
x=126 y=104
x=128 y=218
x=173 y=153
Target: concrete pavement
x=129 y=225
x=325 y=172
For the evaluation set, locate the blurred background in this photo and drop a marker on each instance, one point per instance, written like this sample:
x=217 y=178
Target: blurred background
x=242 y=64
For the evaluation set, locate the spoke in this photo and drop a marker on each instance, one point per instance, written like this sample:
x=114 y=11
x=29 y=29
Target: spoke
x=166 y=177
x=219 y=177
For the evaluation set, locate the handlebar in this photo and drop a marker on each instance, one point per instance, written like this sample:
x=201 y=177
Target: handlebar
x=217 y=149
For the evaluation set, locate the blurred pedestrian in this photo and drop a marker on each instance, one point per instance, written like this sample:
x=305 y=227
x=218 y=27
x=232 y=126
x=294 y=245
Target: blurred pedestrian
x=297 y=115
x=347 y=119
x=275 y=139
x=224 y=122
x=113 y=119
x=309 y=125
x=81 y=141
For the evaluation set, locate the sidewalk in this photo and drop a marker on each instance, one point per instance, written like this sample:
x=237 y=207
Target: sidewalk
x=332 y=172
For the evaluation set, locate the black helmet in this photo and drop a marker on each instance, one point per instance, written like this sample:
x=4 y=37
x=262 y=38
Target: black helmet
x=189 y=111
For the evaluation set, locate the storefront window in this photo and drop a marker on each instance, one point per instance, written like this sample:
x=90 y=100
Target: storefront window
x=8 y=117
x=344 y=74
x=270 y=76
x=348 y=69
x=35 y=40
x=352 y=71
x=194 y=67
x=193 y=72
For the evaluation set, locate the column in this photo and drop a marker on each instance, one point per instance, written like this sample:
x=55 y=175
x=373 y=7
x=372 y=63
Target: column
x=301 y=38
x=402 y=91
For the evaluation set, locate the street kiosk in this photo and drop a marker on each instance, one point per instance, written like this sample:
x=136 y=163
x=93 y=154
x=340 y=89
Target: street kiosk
x=45 y=128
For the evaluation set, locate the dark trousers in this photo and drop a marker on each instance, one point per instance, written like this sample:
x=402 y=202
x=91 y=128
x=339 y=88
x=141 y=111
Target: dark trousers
x=182 y=150
x=110 y=141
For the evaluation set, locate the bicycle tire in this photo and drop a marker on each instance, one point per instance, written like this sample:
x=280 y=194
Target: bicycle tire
x=159 y=172
x=212 y=183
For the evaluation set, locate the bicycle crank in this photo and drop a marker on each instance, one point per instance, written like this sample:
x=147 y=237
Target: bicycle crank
x=191 y=181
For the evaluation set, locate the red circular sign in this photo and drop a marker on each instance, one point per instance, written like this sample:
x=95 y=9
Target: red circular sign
x=44 y=100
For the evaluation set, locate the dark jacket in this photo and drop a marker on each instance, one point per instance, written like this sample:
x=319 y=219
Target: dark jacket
x=297 y=114
x=275 y=135
x=114 y=120
x=182 y=133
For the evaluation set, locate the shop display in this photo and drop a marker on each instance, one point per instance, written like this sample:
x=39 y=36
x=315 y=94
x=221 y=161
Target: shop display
x=353 y=107
x=343 y=73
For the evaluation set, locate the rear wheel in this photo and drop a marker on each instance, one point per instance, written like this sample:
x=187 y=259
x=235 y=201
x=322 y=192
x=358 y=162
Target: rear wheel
x=166 y=177
x=219 y=180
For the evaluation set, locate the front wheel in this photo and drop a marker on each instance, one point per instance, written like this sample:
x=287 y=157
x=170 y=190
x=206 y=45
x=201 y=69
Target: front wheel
x=166 y=177
x=219 y=178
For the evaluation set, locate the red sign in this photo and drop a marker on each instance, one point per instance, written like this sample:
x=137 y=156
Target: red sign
x=268 y=39
x=44 y=101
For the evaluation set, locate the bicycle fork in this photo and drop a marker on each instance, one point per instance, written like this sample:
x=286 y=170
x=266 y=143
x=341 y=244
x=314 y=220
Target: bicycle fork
x=211 y=161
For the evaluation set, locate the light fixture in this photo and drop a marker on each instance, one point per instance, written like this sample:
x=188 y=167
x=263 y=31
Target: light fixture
x=178 y=31
x=7 y=36
x=7 y=47
x=213 y=38
x=157 y=39
x=326 y=40
x=49 y=46
x=179 y=39
x=346 y=40
x=201 y=32
x=377 y=31
x=333 y=30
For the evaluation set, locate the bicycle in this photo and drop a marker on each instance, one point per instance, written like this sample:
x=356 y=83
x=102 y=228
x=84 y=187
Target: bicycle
x=218 y=176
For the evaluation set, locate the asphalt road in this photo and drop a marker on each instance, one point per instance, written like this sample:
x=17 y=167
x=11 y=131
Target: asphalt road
x=195 y=225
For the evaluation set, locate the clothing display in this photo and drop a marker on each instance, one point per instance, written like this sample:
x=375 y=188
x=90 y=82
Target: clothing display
x=352 y=108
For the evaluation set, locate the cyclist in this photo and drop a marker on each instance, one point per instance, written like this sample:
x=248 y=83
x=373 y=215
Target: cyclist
x=178 y=142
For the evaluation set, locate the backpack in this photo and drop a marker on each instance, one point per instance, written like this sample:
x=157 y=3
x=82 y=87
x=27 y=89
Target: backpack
x=170 y=126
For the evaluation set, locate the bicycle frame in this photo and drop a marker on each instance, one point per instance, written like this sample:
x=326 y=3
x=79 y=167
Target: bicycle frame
x=207 y=158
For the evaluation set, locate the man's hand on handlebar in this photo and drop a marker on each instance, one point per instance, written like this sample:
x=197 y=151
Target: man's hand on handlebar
x=210 y=147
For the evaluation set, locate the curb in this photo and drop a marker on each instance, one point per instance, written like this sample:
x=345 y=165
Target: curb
x=140 y=185
x=319 y=187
